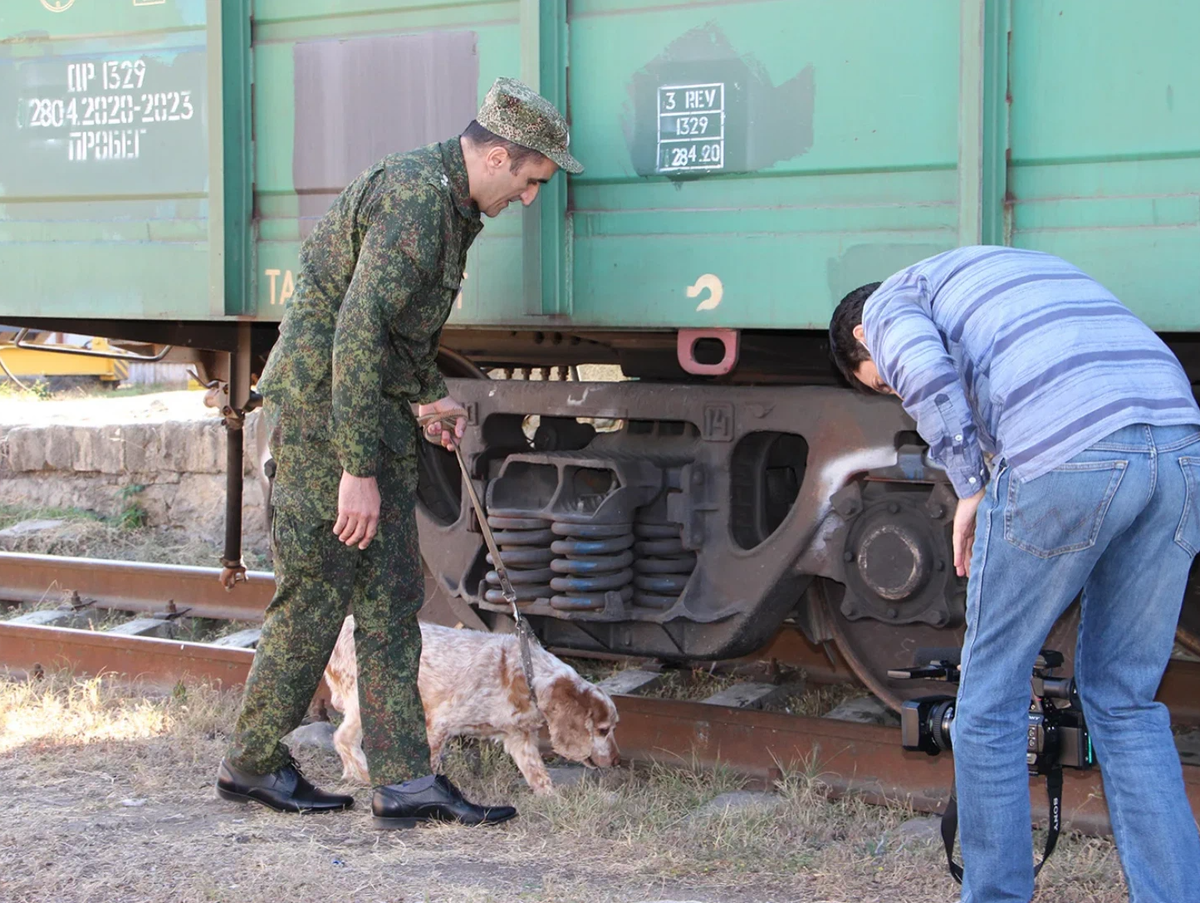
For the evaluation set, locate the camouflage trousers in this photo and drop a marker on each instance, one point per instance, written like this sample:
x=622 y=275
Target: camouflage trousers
x=319 y=580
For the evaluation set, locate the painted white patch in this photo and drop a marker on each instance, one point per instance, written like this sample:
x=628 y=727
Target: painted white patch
x=715 y=288
x=835 y=472
x=832 y=476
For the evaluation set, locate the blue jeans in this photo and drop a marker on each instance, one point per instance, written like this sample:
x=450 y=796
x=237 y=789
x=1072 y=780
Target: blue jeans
x=1121 y=521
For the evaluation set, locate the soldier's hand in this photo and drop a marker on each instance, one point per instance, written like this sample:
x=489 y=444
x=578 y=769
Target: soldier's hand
x=358 y=510
x=435 y=430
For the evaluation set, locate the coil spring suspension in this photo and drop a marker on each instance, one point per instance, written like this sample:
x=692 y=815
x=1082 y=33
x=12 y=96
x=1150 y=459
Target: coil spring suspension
x=591 y=561
x=525 y=550
x=663 y=566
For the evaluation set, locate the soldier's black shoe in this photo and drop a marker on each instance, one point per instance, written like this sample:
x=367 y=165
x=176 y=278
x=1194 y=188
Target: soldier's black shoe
x=285 y=790
x=431 y=798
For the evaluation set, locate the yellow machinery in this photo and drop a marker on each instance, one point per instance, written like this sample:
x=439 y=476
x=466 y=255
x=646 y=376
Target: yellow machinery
x=28 y=364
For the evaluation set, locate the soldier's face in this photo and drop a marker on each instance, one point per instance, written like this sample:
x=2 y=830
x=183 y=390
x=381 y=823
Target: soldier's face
x=522 y=185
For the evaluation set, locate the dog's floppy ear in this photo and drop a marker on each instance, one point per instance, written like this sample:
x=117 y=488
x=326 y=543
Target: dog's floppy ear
x=604 y=710
x=568 y=716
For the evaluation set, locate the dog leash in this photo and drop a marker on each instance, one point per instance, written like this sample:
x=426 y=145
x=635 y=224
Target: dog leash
x=525 y=634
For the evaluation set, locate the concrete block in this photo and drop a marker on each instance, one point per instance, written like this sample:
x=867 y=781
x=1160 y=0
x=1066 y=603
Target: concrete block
x=923 y=827
x=156 y=627
x=58 y=445
x=573 y=775
x=748 y=695
x=27 y=527
x=865 y=710
x=243 y=639
x=630 y=683
x=319 y=734
x=196 y=446
x=740 y=801
x=58 y=617
x=98 y=449
x=26 y=449
x=566 y=775
x=143 y=448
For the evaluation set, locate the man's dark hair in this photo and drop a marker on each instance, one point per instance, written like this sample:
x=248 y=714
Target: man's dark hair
x=846 y=350
x=481 y=138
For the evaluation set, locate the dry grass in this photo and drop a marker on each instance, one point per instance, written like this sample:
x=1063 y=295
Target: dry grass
x=691 y=683
x=821 y=699
x=108 y=797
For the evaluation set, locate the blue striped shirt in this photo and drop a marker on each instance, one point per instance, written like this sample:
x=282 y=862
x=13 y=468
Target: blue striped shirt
x=1020 y=355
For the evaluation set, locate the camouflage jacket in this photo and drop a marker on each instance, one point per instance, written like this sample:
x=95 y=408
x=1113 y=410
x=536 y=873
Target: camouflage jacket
x=378 y=276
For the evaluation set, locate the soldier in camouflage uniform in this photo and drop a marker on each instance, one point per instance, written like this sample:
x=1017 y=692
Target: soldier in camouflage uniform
x=358 y=345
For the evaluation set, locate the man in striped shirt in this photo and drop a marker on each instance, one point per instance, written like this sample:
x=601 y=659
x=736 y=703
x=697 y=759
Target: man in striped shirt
x=1018 y=360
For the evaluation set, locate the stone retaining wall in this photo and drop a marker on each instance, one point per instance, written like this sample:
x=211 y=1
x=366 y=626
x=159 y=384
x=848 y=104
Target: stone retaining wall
x=175 y=471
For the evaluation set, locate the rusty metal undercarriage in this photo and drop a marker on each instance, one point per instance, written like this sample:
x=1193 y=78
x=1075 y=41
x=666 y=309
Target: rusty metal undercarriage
x=688 y=523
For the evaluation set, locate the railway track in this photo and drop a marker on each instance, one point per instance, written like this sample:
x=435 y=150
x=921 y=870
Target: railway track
x=128 y=618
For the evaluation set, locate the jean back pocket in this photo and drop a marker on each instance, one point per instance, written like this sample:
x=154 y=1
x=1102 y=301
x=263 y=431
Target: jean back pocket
x=1061 y=511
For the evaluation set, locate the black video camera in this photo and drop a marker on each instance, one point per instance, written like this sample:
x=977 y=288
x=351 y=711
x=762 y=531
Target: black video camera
x=1057 y=736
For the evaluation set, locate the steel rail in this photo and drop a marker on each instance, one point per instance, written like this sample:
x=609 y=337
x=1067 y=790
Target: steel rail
x=137 y=587
x=858 y=759
x=862 y=760
x=133 y=586
x=154 y=663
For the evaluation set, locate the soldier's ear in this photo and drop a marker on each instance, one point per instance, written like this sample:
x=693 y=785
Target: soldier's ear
x=496 y=158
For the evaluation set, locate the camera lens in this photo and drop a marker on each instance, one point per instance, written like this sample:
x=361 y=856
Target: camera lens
x=940 y=718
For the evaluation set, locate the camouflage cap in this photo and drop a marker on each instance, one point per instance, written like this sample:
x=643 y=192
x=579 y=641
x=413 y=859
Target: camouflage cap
x=516 y=112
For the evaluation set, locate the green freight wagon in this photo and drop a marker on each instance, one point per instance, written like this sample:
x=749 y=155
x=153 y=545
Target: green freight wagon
x=747 y=164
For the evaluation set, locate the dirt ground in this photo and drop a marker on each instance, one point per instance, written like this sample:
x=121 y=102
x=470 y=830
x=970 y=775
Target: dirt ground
x=108 y=797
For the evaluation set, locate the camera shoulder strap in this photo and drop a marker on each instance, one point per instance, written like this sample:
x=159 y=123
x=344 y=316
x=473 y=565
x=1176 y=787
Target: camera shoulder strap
x=949 y=829
x=1054 y=786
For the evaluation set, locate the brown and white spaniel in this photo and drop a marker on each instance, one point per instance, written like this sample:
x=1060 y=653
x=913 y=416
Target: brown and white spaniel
x=472 y=685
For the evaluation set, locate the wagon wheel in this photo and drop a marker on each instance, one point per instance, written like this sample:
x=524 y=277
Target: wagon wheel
x=871 y=647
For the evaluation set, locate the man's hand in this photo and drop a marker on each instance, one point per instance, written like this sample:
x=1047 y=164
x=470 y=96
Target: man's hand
x=358 y=510
x=964 y=532
x=434 y=430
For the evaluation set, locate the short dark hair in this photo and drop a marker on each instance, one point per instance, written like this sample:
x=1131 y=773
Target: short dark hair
x=846 y=350
x=481 y=138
